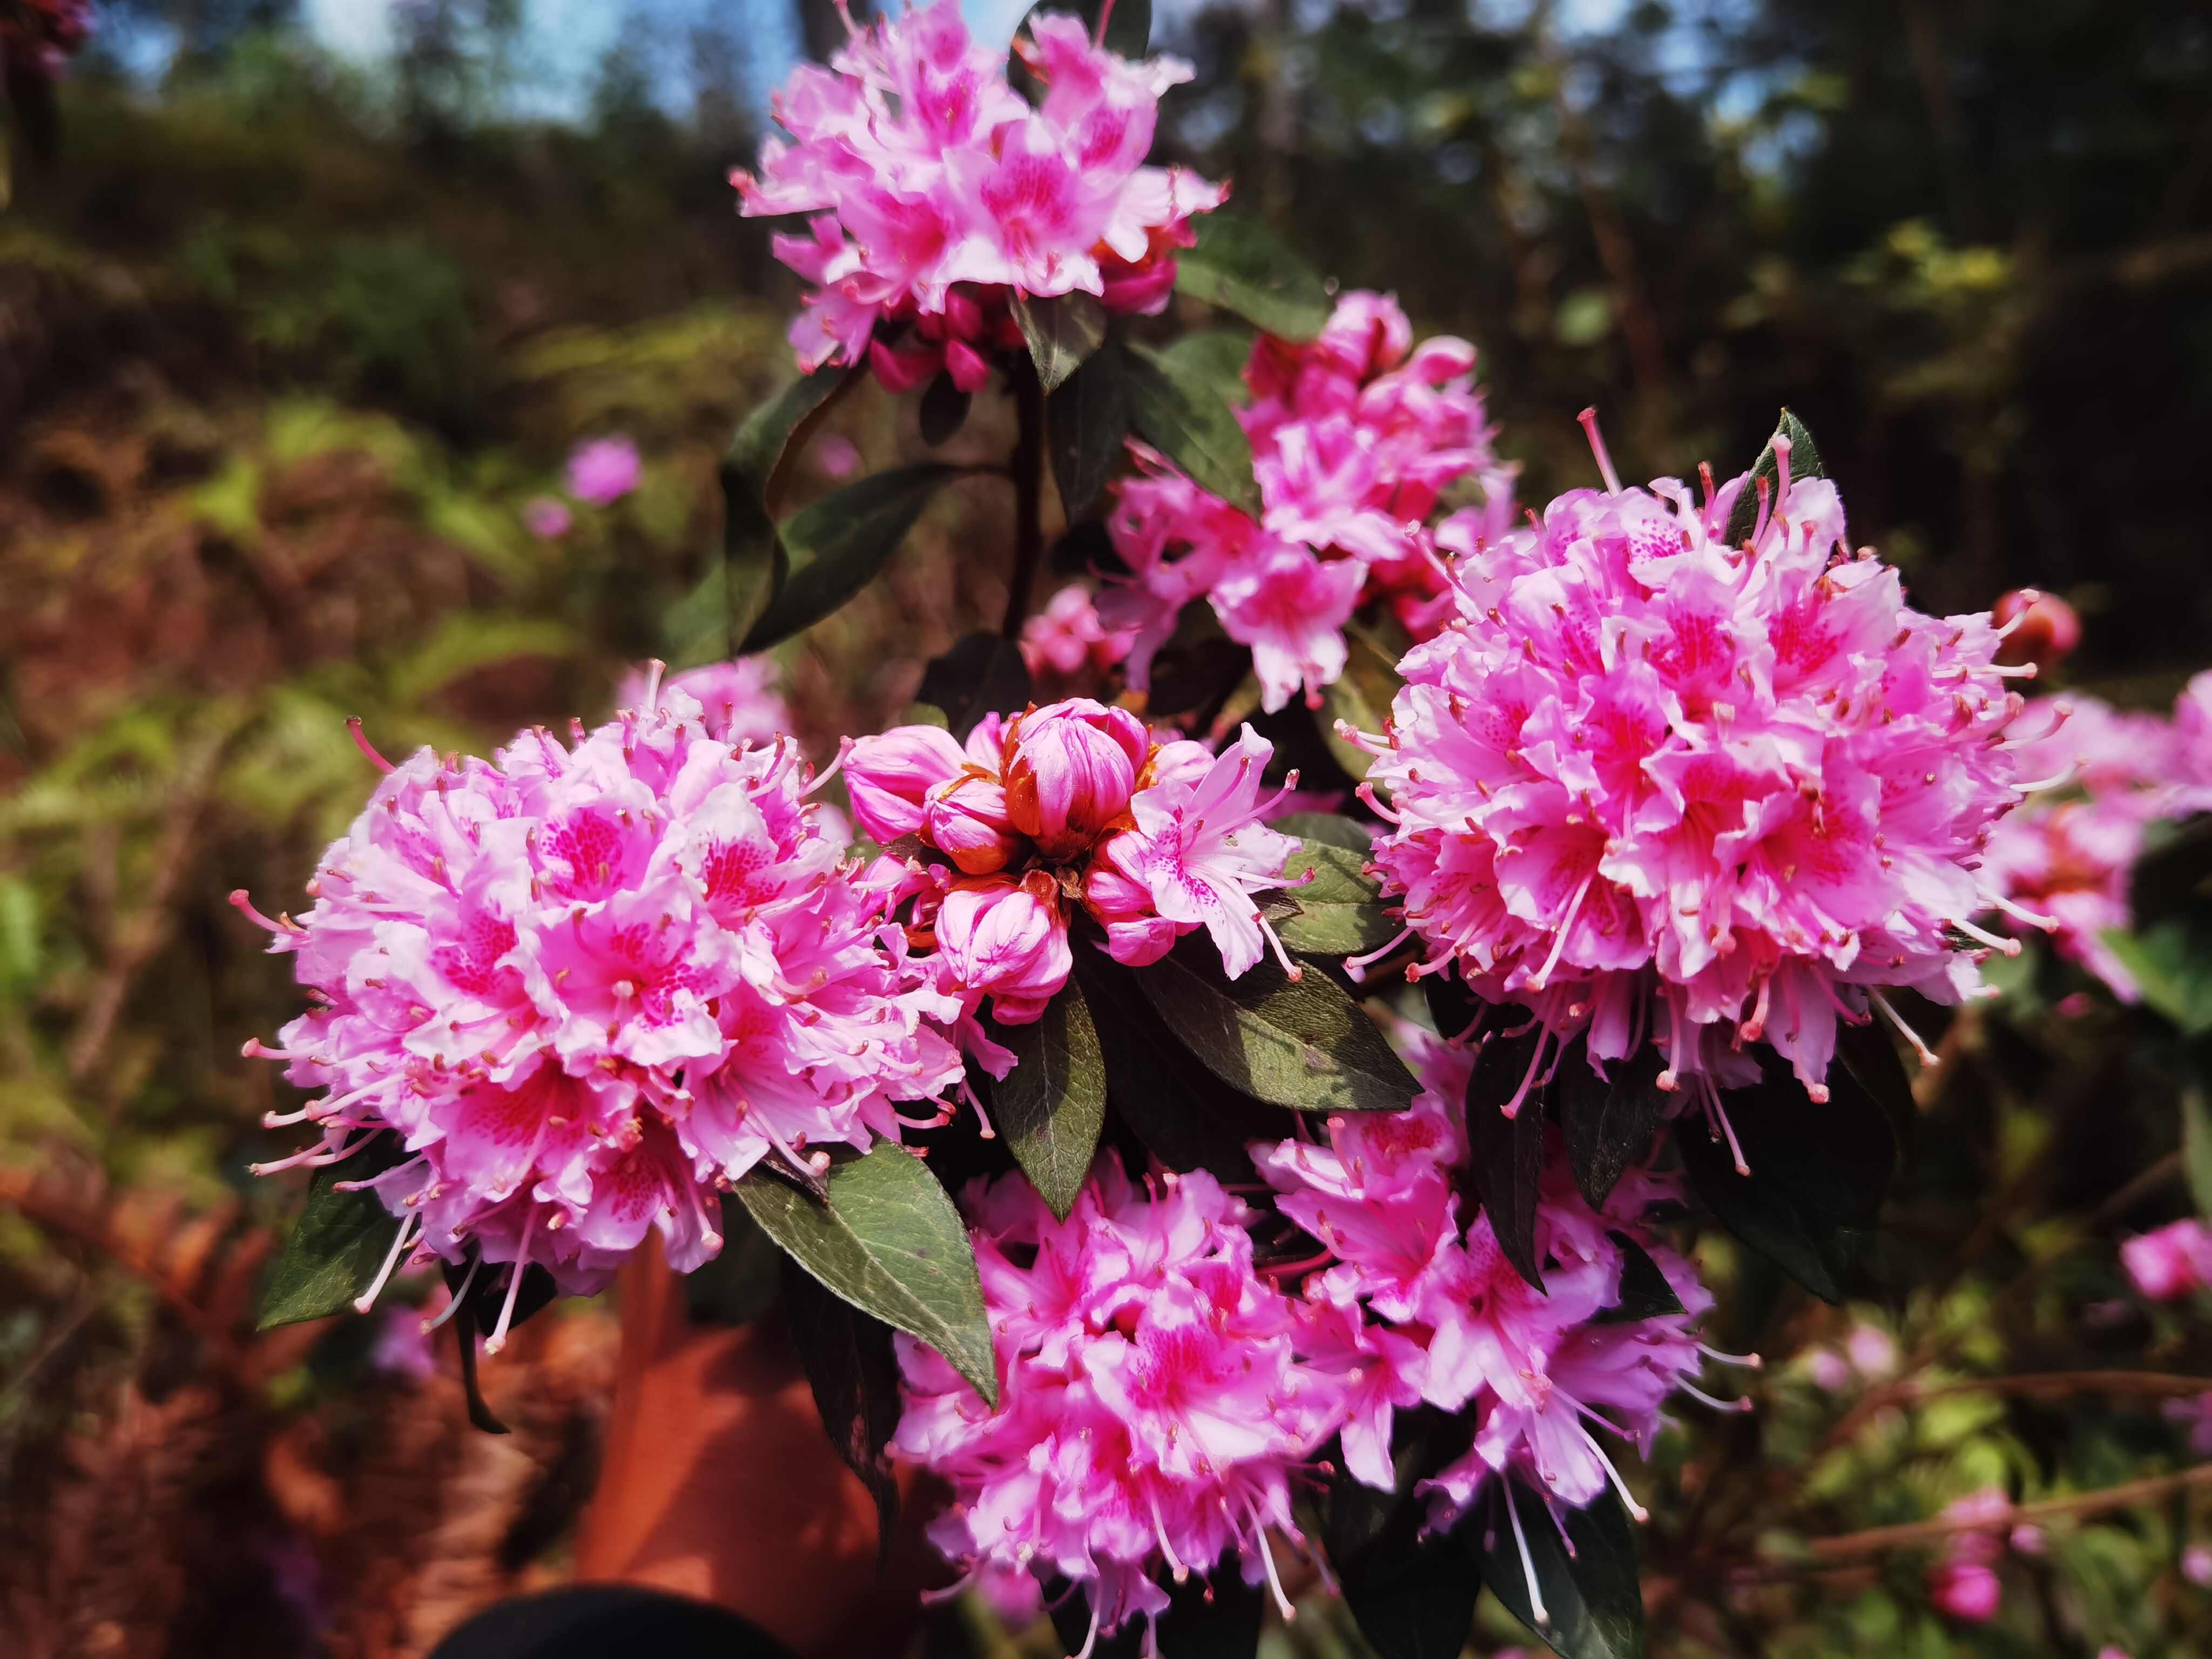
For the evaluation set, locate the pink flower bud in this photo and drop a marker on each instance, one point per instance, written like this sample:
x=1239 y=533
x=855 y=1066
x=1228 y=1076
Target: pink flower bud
x=604 y=471
x=1873 y=1353
x=2171 y=1263
x=2045 y=628
x=889 y=777
x=967 y=822
x=1008 y=940
x=1967 y=1590
x=1072 y=769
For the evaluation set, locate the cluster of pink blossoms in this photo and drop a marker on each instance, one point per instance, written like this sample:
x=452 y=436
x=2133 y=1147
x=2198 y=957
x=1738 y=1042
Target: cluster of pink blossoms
x=1646 y=781
x=589 y=987
x=1965 y=1583
x=1068 y=643
x=1072 y=803
x=1416 y=1307
x=938 y=193
x=1153 y=1403
x=738 y=702
x=1353 y=438
x=2068 y=855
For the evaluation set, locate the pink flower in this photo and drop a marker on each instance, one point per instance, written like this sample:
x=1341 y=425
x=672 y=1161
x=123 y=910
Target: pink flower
x=1830 y=1371
x=738 y=702
x=2040 y=627
x=603 y=471
x=937 y=193
x=835 y=456
x=1066 y=638
x=545 y=518
x=1154 y=1397
x=587 y=987
x=1967 y=1590
x=1073 y=798
x=1873 y=1352
x=2197 y=1413
x=1353 y=438
x=2171 y=1261
x=1648 y=781
x=2196 y=1565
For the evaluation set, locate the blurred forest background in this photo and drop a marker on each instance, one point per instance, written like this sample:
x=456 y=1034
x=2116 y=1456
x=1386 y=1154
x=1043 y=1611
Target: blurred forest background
x=289 y=335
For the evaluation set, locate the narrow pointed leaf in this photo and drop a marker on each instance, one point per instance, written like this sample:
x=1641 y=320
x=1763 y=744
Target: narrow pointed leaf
x=335 y=1250
x=1804 y=463
x=1645 y=1291
x=839 y=544
x=888 y=1240
x=1062 y=330
x=1051 y=1107
x=1508 y=1153
x=1303 y=1043
x=1179 y=413
x=1243 y=267
x=1592 y=1596
x=1086 y=424
x=754 y=561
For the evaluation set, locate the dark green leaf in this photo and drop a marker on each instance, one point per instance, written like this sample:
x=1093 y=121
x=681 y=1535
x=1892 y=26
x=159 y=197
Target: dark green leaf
x=1330 y=829
x=1804 y=463
x=981 y=674
x=1086 y=424
x=854 y=1374
x=1243 y=267
x=1872 y=1064
x=1453 y=1009
x=1062 y=330
x=339 y=1245
x=838 y=544
x=1608 y=1121
x=1508 y=1153
x=488 y=1298
x=2197 y=1147
x=741 y=1283
x=1303 y=1043
x=1645 y=1291
x=755 y=563
x=1215 y=356
x=2175 y=871
x=1181 y=415
x=1051 y=1107
x=1411 y=1595
x=2170 y=963
x=1593 y=1603
x=480 y=1415
x=1187 y=1117
x=1213 y=1617
x=888 y=1240
x=1360 y=696
x=944 y=410
x=1339 y=908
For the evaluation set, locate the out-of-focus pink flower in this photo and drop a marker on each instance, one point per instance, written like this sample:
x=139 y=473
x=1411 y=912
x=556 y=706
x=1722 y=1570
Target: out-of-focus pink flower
x=1651 y=783
x=1831 y=1372
x=403 y=1346
x=1066 y=638
x=2196 y=1565
x=1154 y=1403
x=1074 y=797
x=738 y=702
x=1873 y=1352
x=2197 y=1414
x=937 y=193
x=603 y=471
x=1969 y=1591
x=2039 y=628
x=587 y=987
x=39 y=36
x=547 y=519
x=2169 y=1263
x=1353 y=438
x=835 y=456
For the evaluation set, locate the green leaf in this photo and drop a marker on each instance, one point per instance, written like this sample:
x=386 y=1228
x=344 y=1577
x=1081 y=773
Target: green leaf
x=838 y=544
x=1508 y=1153
x=2174 y=873
x=853 y=1372
x=944 y=410
x=1061 y=330
x=1051 y=1106
x=1413 y=1595
x=1241 y=267
x=1804 y=463
x=1593 y=1603
x=1608 y=1121
x=1360 y=696
x=1645 y=1291
x=334 y=1253
x=1086 y=424
x=1181 y=415
x=1818 y=1174
x=2171 y=962
x=2197 y=1147
x=1216 y=355
x=755 y=563
x=1872 y=1064
x=981 y=674
x=1303 y=1043
x=888 y=1240
x=1340 y=909
x=1329 y=829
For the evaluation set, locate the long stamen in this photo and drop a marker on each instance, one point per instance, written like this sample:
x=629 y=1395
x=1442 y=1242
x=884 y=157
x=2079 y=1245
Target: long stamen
x=2057 y=780
x=360 y=742
x=1927 y=1054
x=1536 y=1608
x=242 y=901
x=1511 y=1108
x=1704 y=1399
x=1559 y=944
x=1588 y=420
x=844 y=749
x=1167 y=1550
x=2032 y=918
x=1356 y=967
x=1291 y=971
x=1627 y=1497
x=1716 y=1111
x=1268 y=1560
x=367 y=1299
x=497 y=1340
x=453 y=1303
x=1749 y=1361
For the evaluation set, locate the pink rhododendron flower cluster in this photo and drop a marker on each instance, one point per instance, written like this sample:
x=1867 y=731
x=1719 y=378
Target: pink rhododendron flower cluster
x=1067 y=805
x=2171 y=1262
x=1647 y=781
x=738 y=702
x=937 y=193
x=587 y=987
x=1153 y=1401
x=2108 y=775
x=1066 y=642
x=1415 y=1305
x=1353 y=439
